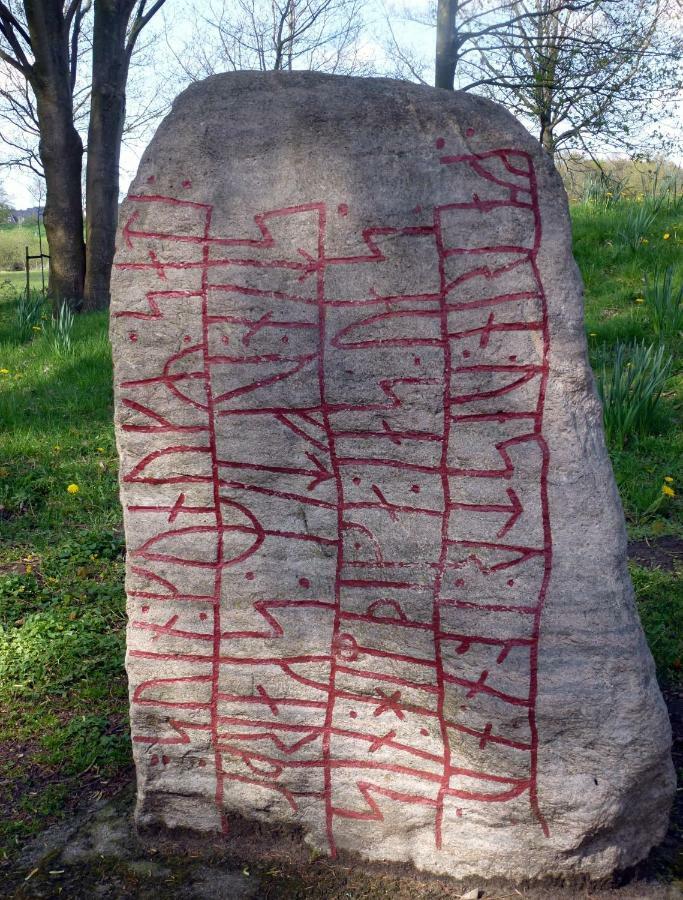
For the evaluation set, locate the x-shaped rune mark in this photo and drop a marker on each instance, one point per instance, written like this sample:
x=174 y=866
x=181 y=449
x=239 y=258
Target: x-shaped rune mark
x=389 y=703
x=381 y=741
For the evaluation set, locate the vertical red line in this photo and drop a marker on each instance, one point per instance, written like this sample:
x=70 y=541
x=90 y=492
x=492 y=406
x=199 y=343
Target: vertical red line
x=215 y=477
x=329 y=712
x=446 y=490
x=545 y=515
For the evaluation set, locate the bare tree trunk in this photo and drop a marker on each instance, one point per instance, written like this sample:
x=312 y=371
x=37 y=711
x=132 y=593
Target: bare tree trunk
x=61 y=150
x=444 y=70
x=107 y=115
x=547 y=139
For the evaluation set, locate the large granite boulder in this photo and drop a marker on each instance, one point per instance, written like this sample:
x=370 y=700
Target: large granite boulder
x=376 y=558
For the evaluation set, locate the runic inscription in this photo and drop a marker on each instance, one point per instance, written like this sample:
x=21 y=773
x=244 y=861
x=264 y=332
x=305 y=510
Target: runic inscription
x=350 y=601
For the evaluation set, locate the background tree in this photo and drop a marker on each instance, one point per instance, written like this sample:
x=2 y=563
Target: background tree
x=39 y=39
x=464 y=30
x=584 y=73
x=116 y=29
x=267 y=35
x=45 y=96
x=5 y=206
x=591 y=78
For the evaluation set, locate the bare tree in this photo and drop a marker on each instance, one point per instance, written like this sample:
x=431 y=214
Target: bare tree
x=116 y=29
x=274 y=35
x=465 y=29
x=45 y=96
x=583 y=71
x=601 y=76
x=39 y=40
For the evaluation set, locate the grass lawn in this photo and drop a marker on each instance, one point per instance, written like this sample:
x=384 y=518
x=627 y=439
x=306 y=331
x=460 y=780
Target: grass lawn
x=14 y=239
x=63 y=699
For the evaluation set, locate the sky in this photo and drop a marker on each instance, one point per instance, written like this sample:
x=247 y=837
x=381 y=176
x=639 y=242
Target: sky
x=157 y=76
x=157 y=79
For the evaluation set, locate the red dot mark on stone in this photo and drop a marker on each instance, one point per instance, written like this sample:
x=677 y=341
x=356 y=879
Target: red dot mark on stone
x=304 y=582
x=417 y=361
x=343 y=209
x=249 y=576
x=415 y=489
x=132 y=336
x=345 y=647
x=357 y=545
x=512 y=358
x=285 y=338
x=145 y=609
x=165 y=760
x=202 y=616
x=154 y=760
x=458 y=813
x=353 y=714
x=466 y=354
x=187 y=183
x=424 y=731
x=469 y=132
x=187 y=338
x=225 y=339
x=151 y=179
x=460 y=583
x=511 y=581
x=440 y=143
x=202 y=763
x=356 y=481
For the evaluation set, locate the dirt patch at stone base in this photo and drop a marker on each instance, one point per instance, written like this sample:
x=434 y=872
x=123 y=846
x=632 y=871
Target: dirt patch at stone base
x=661 y=553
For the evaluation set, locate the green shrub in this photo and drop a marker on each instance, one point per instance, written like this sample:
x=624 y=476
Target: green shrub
x=665 y=302
x=27 y=315
x=58 y=332
x=637 y=222
x=630 y=385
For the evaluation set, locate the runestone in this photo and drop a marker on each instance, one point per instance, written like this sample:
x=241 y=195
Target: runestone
x=376 y=571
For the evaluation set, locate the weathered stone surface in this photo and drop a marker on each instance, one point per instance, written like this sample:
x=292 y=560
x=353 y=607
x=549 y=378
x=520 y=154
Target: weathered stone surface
x=376 y=558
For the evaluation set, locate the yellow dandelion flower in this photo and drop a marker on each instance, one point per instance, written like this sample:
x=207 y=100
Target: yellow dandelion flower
x=73 y=489
x=644 y=241
x=56 y=448
x=36 y=328
x=666 y=236
x=668 y=479
x=100 y=449
x=4 y=371
x=28 y=568
x=639 y=300
x=668 y=491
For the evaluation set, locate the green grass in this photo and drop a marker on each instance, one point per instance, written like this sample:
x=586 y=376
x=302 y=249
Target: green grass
x=615 y=278
x=62 y=686
x=13 y=242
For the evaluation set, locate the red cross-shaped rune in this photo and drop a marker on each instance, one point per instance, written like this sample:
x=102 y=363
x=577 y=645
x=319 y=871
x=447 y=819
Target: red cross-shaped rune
x=477 y=686
x=268 y=699
x=486 y=734
x=163 y=629
x=381 y=741
x=157 y=265
x=390 y=703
